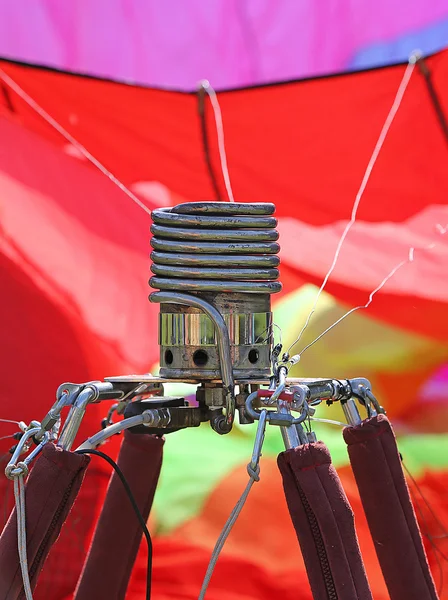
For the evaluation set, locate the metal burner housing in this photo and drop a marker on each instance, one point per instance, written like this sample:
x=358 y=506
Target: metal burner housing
x=226 y=254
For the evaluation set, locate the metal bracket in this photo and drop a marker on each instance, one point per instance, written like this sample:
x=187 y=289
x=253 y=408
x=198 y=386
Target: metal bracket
x=273 y=417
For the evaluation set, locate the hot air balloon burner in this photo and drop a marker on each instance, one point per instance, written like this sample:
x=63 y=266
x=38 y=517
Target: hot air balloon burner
x=215 y=266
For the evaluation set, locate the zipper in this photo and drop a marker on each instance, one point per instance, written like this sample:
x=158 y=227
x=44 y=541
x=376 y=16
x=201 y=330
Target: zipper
x=320 y=546
x=51 y=528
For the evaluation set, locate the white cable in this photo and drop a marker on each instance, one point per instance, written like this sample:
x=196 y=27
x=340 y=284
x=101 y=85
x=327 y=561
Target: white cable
x=19 y=495
x=442 y=230
x=384 y=131
x=271 y=334
x=51 y=121
x=9 y=421
x=253 y=468
x=329 y=421
x=220 y=134
x=223 y=537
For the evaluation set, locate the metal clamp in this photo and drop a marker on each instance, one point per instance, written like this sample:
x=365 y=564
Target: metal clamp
x=295 y=396
x=65 y=396
x=361 y=389
x=372 y=401
x=275 y=418
x=79 y=400
x=75 y=416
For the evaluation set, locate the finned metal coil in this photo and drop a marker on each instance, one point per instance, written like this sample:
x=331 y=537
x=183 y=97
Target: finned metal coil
x=215 y=246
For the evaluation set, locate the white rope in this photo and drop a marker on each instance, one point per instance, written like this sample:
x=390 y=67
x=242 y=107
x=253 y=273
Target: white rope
x=253 y=468
x=223 y=537
x=384 y=131
x=220 y=134
x=19 y=495
x=51 y=121
x=329 y=421
x=9 y=421
x=411 y=255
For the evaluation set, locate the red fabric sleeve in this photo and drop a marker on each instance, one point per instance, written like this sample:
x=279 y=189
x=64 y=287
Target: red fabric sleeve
x=376 y=464
x=324 y=523
x=50 y=492
x=118 y=533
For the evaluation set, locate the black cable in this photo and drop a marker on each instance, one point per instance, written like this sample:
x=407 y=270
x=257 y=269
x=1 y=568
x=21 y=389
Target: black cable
x=7 y=98
x=424 y=70
x=141 y=520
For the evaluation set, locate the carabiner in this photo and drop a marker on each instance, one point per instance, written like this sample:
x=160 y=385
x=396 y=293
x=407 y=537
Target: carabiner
x=13 y=469
x=253 y=468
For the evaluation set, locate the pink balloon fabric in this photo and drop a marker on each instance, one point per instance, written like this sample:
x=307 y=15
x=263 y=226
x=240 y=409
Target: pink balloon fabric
x=230 y=42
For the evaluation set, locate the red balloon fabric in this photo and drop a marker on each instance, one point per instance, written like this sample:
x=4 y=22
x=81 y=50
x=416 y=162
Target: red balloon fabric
x=74 y=248
x=303 y=145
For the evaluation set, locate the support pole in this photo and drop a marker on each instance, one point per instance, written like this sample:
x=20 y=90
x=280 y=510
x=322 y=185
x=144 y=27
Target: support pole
x=376 y=464
x=117 y=537
x=50 y=492
x=351 y=412
x=324 y=523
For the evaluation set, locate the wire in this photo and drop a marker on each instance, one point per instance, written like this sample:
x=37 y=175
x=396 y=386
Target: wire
x=51 y=121
x=430 y=538
x=205 y=141
x=253 y=468
x=220 y=134
x=428 y=505
x=138 y=514
x=434 y=547
x=280 y=333
x=379 y=144
x=223 y=537
x=9 y=421
x=4 y=459
x=19 y=495
x=271 y=334
x=442 y=230
x=329 y=421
